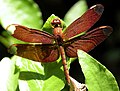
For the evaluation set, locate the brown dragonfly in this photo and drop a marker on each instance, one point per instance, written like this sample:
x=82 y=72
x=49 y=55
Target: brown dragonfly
x=45 y=47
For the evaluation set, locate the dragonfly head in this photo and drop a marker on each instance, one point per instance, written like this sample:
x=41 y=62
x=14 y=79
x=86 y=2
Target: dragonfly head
x=56 y=23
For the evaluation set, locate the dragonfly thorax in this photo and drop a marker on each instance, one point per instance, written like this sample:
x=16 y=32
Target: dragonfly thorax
x=59 y=40
x=57 y=32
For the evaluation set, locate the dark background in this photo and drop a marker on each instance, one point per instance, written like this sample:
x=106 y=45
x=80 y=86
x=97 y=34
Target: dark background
x=108 y=52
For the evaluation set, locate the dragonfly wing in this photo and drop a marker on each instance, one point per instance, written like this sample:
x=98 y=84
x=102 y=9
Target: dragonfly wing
x=88 y=41
x=85 y=22
x=30 y=35
x=40 y=53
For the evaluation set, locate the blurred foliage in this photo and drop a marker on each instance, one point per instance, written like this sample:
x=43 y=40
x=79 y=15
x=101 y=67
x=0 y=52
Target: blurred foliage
x=75 y=12
x=22 y=12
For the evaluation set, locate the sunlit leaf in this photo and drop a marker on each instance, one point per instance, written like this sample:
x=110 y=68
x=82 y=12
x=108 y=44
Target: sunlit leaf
x=75 y=11
x=35 y=76
x=24 y=12
x=9 y=74
x=97 y=76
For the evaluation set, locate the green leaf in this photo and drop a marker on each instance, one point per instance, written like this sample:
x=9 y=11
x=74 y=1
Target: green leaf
x=48 y=27
x=9 y=75
x=75 y=11
x=24 y=12
x=97 y=76
x=35 y=76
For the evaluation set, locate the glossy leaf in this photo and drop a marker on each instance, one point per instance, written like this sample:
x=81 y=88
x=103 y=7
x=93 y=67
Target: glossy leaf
x=97 y=76
x=9 y=75
x=25 y=12
x=35 y=76
x=75 y=11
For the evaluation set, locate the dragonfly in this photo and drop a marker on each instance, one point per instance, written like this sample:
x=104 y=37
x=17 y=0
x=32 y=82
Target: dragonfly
x=45 y=47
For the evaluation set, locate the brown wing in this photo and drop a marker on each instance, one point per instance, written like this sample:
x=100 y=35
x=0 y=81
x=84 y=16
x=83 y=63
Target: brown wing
x=30 y=35
x=85 y=22
x=40 y=53
x=88 y=41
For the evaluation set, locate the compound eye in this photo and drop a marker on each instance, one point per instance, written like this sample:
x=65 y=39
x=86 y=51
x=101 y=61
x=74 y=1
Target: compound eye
x=56 y=23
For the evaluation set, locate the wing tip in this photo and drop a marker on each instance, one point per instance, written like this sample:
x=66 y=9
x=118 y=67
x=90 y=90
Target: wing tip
x=107 y=30
x=99 y=8
x=11 y=28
